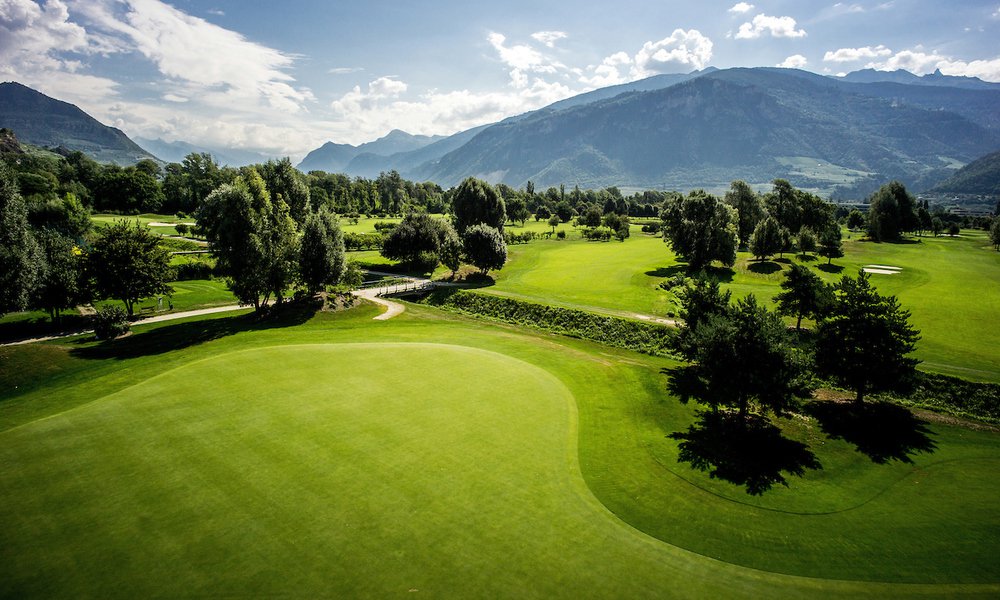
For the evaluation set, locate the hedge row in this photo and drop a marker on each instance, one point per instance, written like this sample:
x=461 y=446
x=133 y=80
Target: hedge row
x=613 y=331
x=954 y=396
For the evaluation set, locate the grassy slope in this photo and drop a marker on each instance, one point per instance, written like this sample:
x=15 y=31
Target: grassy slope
x=956 y=316
x=269 y=491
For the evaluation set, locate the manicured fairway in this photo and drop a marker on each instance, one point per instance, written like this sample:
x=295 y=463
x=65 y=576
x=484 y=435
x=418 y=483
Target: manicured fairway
x=951 y=285
x=343 y=457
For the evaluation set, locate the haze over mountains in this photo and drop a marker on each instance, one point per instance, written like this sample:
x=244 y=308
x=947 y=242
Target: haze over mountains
x=841 y=136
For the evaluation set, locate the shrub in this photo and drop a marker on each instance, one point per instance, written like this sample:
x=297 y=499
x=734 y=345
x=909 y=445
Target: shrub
x=597 y=234
x=561 y=234
x=519 y=238
x=651 y=228
x=110 y=322
x=362 y=241
x=193 y=270
x=649 y=338
x=383 y=226
x=182 y=228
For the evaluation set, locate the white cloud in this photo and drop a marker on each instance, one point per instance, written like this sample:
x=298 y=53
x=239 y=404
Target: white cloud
x=518 y=56
x=380 y=89
x=344 y=70
x=438 y=112
x=611 y=71
x=682 y=50
x=232 y=70
x=741 y=7
x=549 y=38
x=40 y=47
x=796 y=61
x=175 y=98
x=922 y=63
x=854 y=54
x=779 y=27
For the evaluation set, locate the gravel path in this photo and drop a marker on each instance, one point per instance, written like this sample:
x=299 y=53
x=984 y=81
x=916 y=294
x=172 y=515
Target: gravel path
x=147 y=320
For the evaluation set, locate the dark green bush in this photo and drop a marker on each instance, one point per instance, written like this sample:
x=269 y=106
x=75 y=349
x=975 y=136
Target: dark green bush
x=192 y=270
x=561 y=234
x=110 y=322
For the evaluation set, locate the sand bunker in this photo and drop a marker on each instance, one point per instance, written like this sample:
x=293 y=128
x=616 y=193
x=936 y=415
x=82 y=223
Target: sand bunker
x=881 y=269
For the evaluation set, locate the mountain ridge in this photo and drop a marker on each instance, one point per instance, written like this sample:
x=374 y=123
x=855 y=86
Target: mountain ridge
x=44 y=121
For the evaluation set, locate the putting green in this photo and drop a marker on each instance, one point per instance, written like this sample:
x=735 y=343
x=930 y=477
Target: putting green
x=362 y=469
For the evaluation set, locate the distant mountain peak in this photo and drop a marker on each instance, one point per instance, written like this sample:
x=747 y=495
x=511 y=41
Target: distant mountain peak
x=44 y=121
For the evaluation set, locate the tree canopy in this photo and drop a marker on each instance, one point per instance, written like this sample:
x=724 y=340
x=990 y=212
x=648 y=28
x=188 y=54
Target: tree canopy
x=127 y=263
x=864 y=342
x=21 y=259
x=321 y=252
x=253 y=238
x=475 y=202
x=803 y=295
x=741 y=358
x=700 y=228
x=484 y=247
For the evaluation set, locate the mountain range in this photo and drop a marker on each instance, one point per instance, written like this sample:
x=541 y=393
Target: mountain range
x=176 y=151
x=43 y=121
x=840 y=136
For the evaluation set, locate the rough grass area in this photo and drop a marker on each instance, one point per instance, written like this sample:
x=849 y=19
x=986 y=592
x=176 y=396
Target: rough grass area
x=328 y=454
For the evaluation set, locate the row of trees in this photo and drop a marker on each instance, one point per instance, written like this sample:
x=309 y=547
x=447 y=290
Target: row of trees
x=703 y=228
x=476 y=236
x=742 y=355
x=55 y=263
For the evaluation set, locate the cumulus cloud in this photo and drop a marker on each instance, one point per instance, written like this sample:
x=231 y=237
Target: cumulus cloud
x=42 y=48
x=917 y=61
x=796 y=61
x=436 y=112
x=378 y=90
x=686 y=50
x=612 y=71
x=741 y=7
x=779 y=27
x=854 y=54
x=549 y=38
x=232 y=70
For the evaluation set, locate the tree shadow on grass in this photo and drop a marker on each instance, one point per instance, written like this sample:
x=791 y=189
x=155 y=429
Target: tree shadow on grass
x=806 y=257
x=766 y=267
x=831 y=268
x=668 y=271
x=753 y=454
x=178 y=336
x=880 y=430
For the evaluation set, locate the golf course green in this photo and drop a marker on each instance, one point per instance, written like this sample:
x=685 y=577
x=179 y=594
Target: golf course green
x=331 y=455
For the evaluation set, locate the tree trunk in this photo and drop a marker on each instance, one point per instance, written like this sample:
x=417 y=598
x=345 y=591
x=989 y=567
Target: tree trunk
x=798 y=324
x=860 y=398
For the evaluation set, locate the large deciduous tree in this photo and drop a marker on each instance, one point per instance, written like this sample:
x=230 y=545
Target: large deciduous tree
x=252 y=237
x=127 y=263
x=864 y=342
x=477 y=202
x=767 y=239
x=62 y=284
x=416 y=240
x=891 y=211
x=21 y=259
x=484 y=247
x=321 y=251
x=748 y=206
x=700 y=228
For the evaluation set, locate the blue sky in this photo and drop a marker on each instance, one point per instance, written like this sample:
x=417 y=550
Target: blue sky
x=284 y=77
